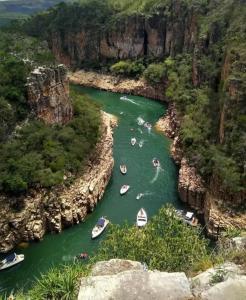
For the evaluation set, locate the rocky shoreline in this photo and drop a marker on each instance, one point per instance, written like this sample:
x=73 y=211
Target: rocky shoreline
x=192 y=190
x=53 y=210
x=117 y=84
x=191 y=187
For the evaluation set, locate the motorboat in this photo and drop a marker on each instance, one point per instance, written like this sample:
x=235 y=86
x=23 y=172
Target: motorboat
x=11 y=260
x=156 y=162
x=123 y=169
x=187 y=217
x=190 y=219
x=124 y=189
x=142 y=218
x=123 y=98
x=99 y=228
x=140 y=195
x=147 y=125
x=140 y=121
x=140 y=144
x=133 y=141
x=82 y=256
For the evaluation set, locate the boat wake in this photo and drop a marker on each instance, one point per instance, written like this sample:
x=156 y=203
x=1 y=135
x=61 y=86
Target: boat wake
x=157 y=172
x=124 y=98
x=141 y=195
x=67 y=257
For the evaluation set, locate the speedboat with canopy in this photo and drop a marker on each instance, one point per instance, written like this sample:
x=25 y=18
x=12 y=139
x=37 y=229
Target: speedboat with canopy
x=133 y=141
x=11 y=260
x=123 y=169
x=99 y=228
x=142 y=218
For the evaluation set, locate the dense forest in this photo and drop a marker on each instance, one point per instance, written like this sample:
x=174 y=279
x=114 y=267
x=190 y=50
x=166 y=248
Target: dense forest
x=204 y=78
x=34 y=154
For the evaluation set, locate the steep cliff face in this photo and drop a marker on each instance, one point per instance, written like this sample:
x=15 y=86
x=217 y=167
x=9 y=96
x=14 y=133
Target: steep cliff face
x=128 y=38
x=53 y=210
x=48 y=94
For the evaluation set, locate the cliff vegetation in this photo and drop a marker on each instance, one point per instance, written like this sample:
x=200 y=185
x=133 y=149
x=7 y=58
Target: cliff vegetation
x=35 y=154
x=195 y=48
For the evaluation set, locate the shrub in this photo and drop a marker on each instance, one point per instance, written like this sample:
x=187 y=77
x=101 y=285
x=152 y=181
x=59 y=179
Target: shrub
x=155 y=73
x=128 y=68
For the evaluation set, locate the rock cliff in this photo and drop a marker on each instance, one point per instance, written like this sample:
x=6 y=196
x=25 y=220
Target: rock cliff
x=115 y=84
x=128 y=37
x=52 y=210
x=125 y=279
x=48 y=94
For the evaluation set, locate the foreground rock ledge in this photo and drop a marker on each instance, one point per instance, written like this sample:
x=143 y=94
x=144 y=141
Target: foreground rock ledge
x=52 y=211
x=119 y=279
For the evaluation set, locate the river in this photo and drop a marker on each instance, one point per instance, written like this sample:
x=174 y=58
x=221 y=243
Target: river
x=159 y=186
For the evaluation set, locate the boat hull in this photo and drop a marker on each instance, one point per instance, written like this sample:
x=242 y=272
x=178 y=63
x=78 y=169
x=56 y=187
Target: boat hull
x=142 y=218
x=98 y=231
x=19 y=259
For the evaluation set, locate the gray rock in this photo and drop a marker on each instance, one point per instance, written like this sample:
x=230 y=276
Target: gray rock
x=115 y=266
x=204 y=280
x=136 y=285
x=231 y=289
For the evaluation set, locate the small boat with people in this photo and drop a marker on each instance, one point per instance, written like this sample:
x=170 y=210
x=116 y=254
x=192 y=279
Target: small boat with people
x=124 y=189
x=139 y=196
x=187 y=217
x=123 y=97
x=142 y=218
x=123 y=169
x=147 y=125
x=83 y=256
x=140 y=121
x=11 y=260
x=140 y=144
x=155 y=162
x=99 y=227
x=133 y=141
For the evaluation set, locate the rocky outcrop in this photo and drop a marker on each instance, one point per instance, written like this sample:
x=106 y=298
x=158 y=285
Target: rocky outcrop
x=210 y=200
x=52 y=210
x=124 y=279
x=133 y=282
x=126 y=37
x=116 y=84
x=48 y=94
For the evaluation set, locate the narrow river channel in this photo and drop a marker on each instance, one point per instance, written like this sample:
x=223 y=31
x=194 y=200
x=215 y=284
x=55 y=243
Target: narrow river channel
x=159 y=186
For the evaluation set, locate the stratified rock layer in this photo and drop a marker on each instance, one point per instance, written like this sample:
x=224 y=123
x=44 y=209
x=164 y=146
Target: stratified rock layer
x=48 y=94
x=53 y=210
x=111 y=83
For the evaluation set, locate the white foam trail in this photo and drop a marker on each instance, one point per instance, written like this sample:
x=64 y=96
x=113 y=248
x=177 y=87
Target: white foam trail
x=157 y=172
x=129 y=100
x=149 y=130
x=67 y=257
x=141 y=131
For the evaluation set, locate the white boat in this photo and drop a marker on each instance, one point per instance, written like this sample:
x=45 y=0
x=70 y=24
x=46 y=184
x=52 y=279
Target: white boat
x=155 y=162
x=11 y=260
x=99 y=228
x=123 y=98
x=147 y=125
x=140 y=121
x=124 y=189
x=123 y=169
x=140 y=144
x=187 y=217
x=140 y=195
x=142 y=218
x=133 y=141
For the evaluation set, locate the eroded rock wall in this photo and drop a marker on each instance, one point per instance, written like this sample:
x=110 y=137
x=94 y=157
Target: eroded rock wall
x=48 y=94
x=52 y=211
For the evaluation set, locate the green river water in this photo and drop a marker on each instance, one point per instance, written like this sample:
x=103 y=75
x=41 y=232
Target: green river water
x=158 y=185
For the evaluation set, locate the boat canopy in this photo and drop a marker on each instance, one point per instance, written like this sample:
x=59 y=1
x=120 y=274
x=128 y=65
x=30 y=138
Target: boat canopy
x=101 y=222
x=11 y=257
x=189 y=215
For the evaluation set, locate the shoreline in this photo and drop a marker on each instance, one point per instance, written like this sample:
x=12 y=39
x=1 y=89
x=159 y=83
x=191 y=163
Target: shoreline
x=53 y=210
x=191 y=188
